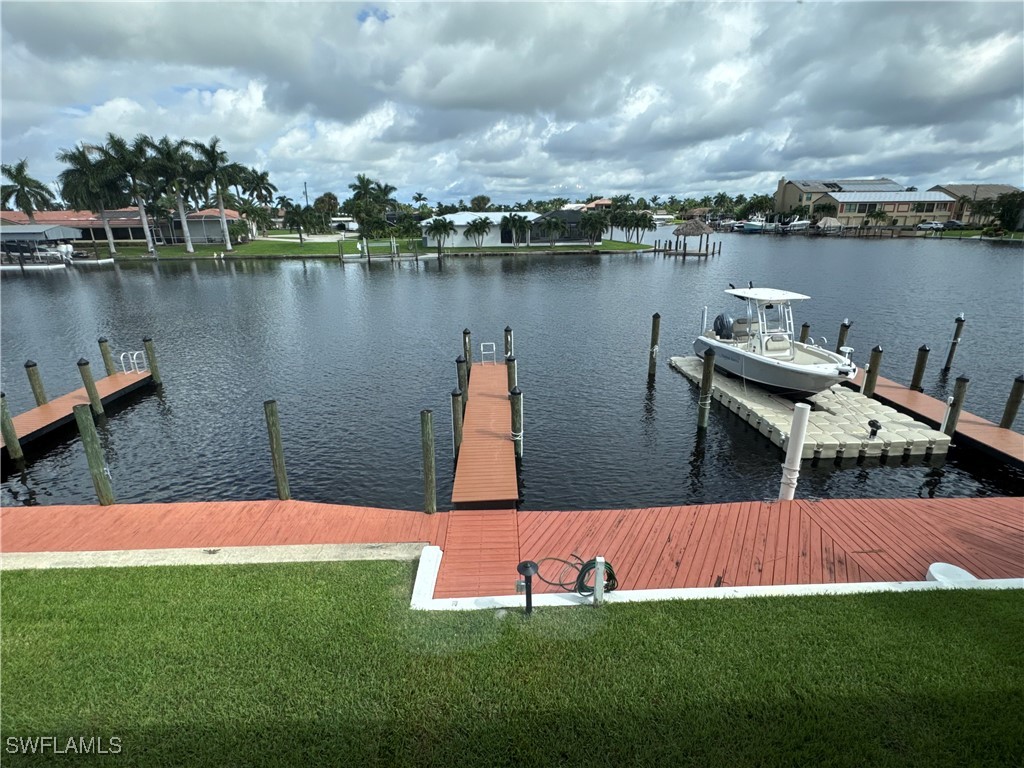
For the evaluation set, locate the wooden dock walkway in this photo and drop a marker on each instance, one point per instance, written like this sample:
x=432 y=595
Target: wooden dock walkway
x=57 y=413
x=983 y=435
x=708 y=545
x=485 y=475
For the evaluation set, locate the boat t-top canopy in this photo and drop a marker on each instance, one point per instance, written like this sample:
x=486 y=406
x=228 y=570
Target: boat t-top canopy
x=23 y=232
x=766 y=295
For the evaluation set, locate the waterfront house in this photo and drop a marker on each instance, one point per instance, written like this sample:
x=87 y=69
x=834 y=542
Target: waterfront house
x=125 y=224
x=794 y=193
x=570 y=223
x=498 y=235
x=962 y=210
x=203 y=226
x=904 y=209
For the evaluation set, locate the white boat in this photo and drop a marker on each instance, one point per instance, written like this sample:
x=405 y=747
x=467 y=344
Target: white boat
x=757 y=224
x=759 y=346
x=800 y=225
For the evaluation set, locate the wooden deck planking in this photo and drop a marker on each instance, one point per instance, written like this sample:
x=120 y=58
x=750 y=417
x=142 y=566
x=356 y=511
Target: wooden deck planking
x=486 y=470
x=1002 y=442
x=204 y=524
x=42 y=419
x=747 y=543
x=481 y=551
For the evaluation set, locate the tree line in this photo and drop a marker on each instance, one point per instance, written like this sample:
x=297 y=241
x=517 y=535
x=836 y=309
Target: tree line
x=165 y=177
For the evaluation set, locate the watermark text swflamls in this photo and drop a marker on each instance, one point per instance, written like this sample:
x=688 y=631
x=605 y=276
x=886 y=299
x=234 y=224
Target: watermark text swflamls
x=72 y=745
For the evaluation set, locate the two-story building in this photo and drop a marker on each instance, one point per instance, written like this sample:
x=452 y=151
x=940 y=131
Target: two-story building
x=794 y=193
x=902 y=209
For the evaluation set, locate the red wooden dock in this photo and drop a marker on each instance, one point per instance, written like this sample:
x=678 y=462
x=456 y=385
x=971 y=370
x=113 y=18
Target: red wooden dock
x=741 y=544
x=485 y=476
x=1004 y=444
x=58 y=412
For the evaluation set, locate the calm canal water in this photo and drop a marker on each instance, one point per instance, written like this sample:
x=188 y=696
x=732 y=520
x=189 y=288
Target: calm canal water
x=352 y=354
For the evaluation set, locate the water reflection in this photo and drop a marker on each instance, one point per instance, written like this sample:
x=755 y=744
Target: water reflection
x=353 y=351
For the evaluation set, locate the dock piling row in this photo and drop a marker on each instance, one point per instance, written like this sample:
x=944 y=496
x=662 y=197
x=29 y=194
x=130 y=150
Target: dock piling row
x=90 y=386
x=652 y=359
x=94 y=455
x=35 y=381
x=277 y=450
x=1013 y=403
x=9 y=433
x=958 y=329
x=429 y=475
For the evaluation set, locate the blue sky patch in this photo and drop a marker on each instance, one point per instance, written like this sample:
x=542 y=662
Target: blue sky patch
x=373 y=12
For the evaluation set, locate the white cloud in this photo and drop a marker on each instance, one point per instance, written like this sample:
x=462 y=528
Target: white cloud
x=516 y=100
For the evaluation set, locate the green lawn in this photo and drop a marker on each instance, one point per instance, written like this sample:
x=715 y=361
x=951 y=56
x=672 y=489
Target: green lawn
x=278 y=248
x=311 y=664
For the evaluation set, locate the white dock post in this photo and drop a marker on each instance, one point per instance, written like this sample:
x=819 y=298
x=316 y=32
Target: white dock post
x=598 y=580
x=791 y=467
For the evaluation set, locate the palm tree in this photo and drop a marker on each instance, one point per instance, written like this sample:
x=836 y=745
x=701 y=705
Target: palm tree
x=213 y=168
x=299 y=218
x=90 y=184
x=478 y=229
x=439 y=229
x=175 y=166
x=131 y=163
x=419 y=197
x=259 y=186
x=593 y=225
x=29 y=195
x=552 y=227
x=518 y=225
x=878 y=216
x=644 y=223
x=655 y=201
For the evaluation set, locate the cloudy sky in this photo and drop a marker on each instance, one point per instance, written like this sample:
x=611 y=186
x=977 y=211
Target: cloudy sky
x=531 y=100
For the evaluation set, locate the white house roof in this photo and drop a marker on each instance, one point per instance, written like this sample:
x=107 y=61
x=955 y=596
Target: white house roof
x=462 y=218
x=848 y=185
x=890 y=197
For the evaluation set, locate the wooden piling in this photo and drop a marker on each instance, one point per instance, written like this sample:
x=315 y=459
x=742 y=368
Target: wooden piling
x=652 y=357
x=8 y=431
x=154 y=368
x=90 y=387
x=706 y=382
x=429 y=476
x=871 y=377
x=276 y=449
x=463 y=372
x=805 y=331
x=36 y=382
x=954 y=342
x=467 y=351
x=844 y=330
x=959 y=395
x=509 y=345
x=919 y=366
x=517 y=420
x=1009 y=413
x=456 y=423
x=94 y=455
x=513 y=372
x=108 y=358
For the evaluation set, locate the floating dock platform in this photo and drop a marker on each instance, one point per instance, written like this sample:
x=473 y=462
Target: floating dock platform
x=838 y=424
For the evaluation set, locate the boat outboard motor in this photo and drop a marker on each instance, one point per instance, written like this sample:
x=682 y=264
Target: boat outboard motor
x=723 y=326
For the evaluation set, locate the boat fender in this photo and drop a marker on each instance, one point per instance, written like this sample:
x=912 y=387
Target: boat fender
x=723 y=326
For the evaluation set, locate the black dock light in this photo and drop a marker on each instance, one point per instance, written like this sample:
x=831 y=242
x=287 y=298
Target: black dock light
x=528 y=569
x=875 y=426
